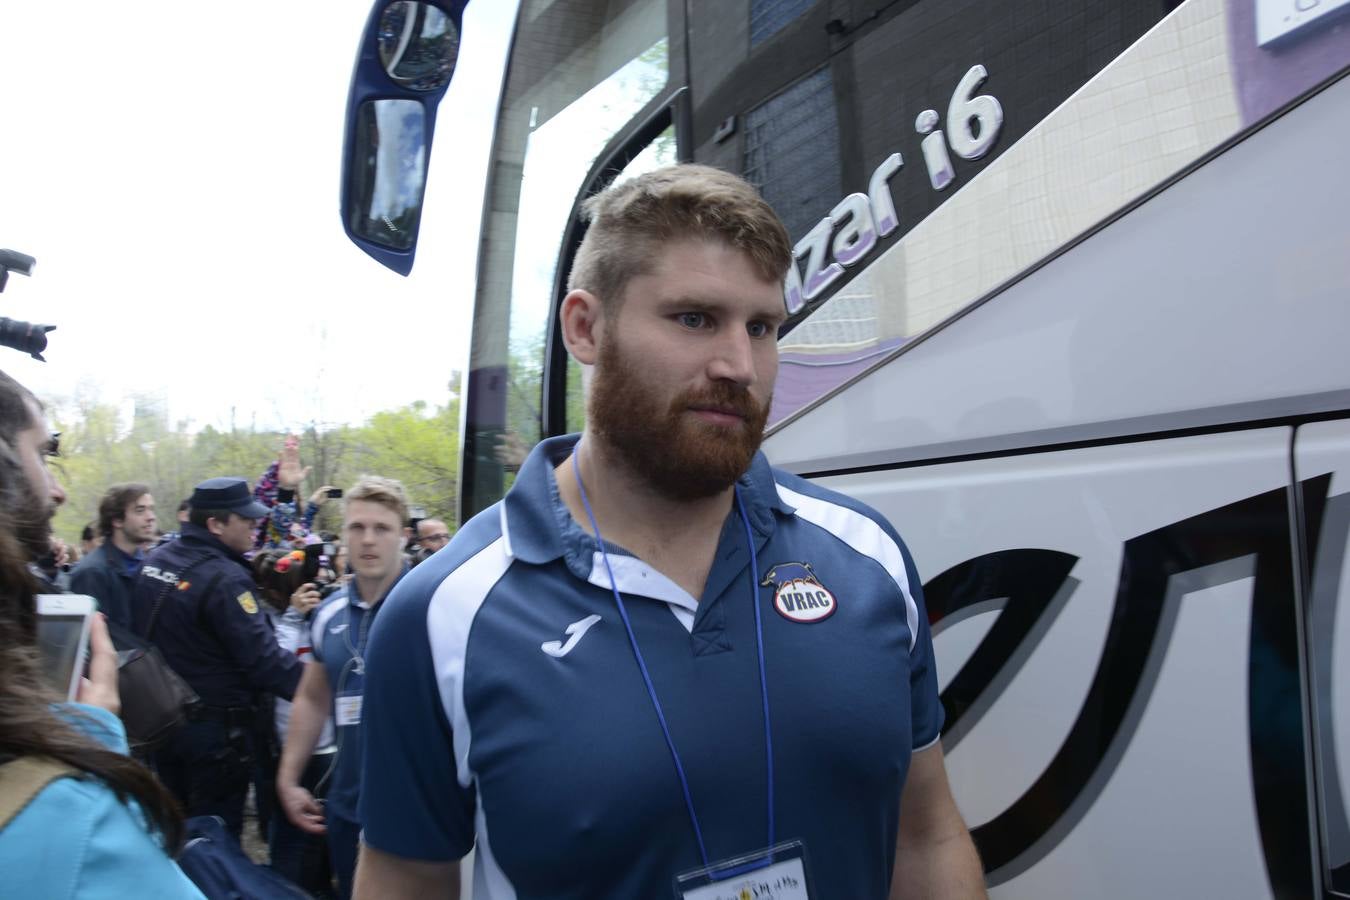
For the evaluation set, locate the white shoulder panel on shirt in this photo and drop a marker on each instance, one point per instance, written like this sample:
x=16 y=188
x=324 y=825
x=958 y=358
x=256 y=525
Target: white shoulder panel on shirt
x=319 y=627
x=449 y=616
x=863 y=535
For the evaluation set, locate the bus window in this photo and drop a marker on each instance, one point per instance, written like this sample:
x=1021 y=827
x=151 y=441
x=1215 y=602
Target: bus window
x=558 y=154
x=576 y=79
x=660 y=152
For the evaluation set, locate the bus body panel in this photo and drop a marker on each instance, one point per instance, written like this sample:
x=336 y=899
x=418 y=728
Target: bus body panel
x=1172 y=786
x=1222 y=298
x=1322 y=449
x=1096 y=379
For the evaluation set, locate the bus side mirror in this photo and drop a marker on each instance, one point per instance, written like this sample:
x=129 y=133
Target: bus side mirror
x=404 y=64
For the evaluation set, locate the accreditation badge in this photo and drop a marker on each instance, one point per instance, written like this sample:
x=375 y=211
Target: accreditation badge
x=778 y=873
x=347 y=708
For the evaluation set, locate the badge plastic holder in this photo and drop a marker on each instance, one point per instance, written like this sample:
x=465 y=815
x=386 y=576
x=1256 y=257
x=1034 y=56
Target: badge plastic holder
x=779 y=872
x=347 y=708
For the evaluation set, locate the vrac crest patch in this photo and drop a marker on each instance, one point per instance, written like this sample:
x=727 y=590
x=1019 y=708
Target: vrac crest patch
x=798 y=595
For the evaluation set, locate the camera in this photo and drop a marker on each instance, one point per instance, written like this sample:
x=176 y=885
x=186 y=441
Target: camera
x=25 y=337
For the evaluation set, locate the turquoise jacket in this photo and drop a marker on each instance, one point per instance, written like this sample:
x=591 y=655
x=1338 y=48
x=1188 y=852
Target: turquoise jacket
x=77 y=840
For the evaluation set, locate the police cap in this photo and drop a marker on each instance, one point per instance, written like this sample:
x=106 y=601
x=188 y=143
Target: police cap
x=230 y=494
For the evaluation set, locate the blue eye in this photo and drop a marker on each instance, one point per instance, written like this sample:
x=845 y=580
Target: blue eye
x=693 y=319
x=757 y=329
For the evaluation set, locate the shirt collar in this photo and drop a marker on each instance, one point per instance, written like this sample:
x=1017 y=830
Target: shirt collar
x=354 y=592
x=538 y=527
x=125 y=564
x=125 y=559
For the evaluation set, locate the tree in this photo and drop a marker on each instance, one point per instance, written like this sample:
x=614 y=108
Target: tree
x=415 y=444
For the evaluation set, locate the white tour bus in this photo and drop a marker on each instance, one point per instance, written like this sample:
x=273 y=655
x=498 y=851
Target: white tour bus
x=1072 y=294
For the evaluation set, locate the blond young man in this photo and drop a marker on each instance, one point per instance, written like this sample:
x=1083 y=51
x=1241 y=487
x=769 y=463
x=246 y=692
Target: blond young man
x=372 y=530
x=659 y=654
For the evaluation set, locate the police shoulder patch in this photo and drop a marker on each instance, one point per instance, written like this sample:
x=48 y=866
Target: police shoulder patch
x=246 y=601
x=798 y=595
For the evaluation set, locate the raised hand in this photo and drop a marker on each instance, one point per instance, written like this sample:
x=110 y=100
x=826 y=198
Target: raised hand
x=289 y=471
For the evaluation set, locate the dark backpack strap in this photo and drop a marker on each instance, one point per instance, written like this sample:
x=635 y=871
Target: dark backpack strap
x=164 y=592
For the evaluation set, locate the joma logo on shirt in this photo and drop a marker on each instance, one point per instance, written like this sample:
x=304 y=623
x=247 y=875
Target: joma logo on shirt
x=799 y=596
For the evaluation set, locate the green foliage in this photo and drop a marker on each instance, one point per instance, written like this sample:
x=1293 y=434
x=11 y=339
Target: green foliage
x=419 y=447
x=416 y=444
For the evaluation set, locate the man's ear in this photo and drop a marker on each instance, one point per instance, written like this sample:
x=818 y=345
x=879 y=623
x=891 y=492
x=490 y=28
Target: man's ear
x=582 y=325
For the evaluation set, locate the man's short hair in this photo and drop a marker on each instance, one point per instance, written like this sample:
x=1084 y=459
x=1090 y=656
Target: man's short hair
x=88 y=533
x=630 y=221
x=184 y=504
x=385 y=491
x=114 y=504
x=198 y=517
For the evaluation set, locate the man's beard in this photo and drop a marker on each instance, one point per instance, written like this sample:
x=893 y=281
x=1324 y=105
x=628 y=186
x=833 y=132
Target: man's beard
x=33 y=522
x=679 y=456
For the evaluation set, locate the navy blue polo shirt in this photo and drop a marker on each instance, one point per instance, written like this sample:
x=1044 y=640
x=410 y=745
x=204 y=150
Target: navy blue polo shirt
x=504 y=707
x=339 y=634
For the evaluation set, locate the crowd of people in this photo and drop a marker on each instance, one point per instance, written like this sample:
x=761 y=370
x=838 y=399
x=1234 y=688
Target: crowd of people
x=658 y=664
x=236 y=599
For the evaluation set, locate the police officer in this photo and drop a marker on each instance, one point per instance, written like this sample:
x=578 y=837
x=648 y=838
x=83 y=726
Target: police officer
x=195 y=600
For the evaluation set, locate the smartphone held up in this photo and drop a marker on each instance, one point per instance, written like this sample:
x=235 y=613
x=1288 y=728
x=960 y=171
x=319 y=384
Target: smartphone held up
x=63 y=639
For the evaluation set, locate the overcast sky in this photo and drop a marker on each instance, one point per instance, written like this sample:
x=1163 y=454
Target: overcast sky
x=174 y=168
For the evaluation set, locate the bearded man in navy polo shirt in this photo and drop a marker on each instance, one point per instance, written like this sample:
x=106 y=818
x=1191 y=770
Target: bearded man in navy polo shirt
x=660 y=667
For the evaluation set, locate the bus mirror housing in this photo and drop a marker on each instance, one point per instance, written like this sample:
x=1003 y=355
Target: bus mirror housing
x=404 y=64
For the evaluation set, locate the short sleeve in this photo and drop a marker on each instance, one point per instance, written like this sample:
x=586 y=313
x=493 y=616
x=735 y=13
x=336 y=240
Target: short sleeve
x=926 y=713
x=412 y=804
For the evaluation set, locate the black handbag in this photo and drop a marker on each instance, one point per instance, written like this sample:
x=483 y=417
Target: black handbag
x=156 y=701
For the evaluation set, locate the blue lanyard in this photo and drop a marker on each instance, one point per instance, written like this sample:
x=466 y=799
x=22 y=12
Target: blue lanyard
x=647 y=678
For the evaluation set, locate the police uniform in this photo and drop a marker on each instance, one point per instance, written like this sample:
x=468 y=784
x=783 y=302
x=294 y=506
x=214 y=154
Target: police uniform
x=504 y=707
x=211 y=631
